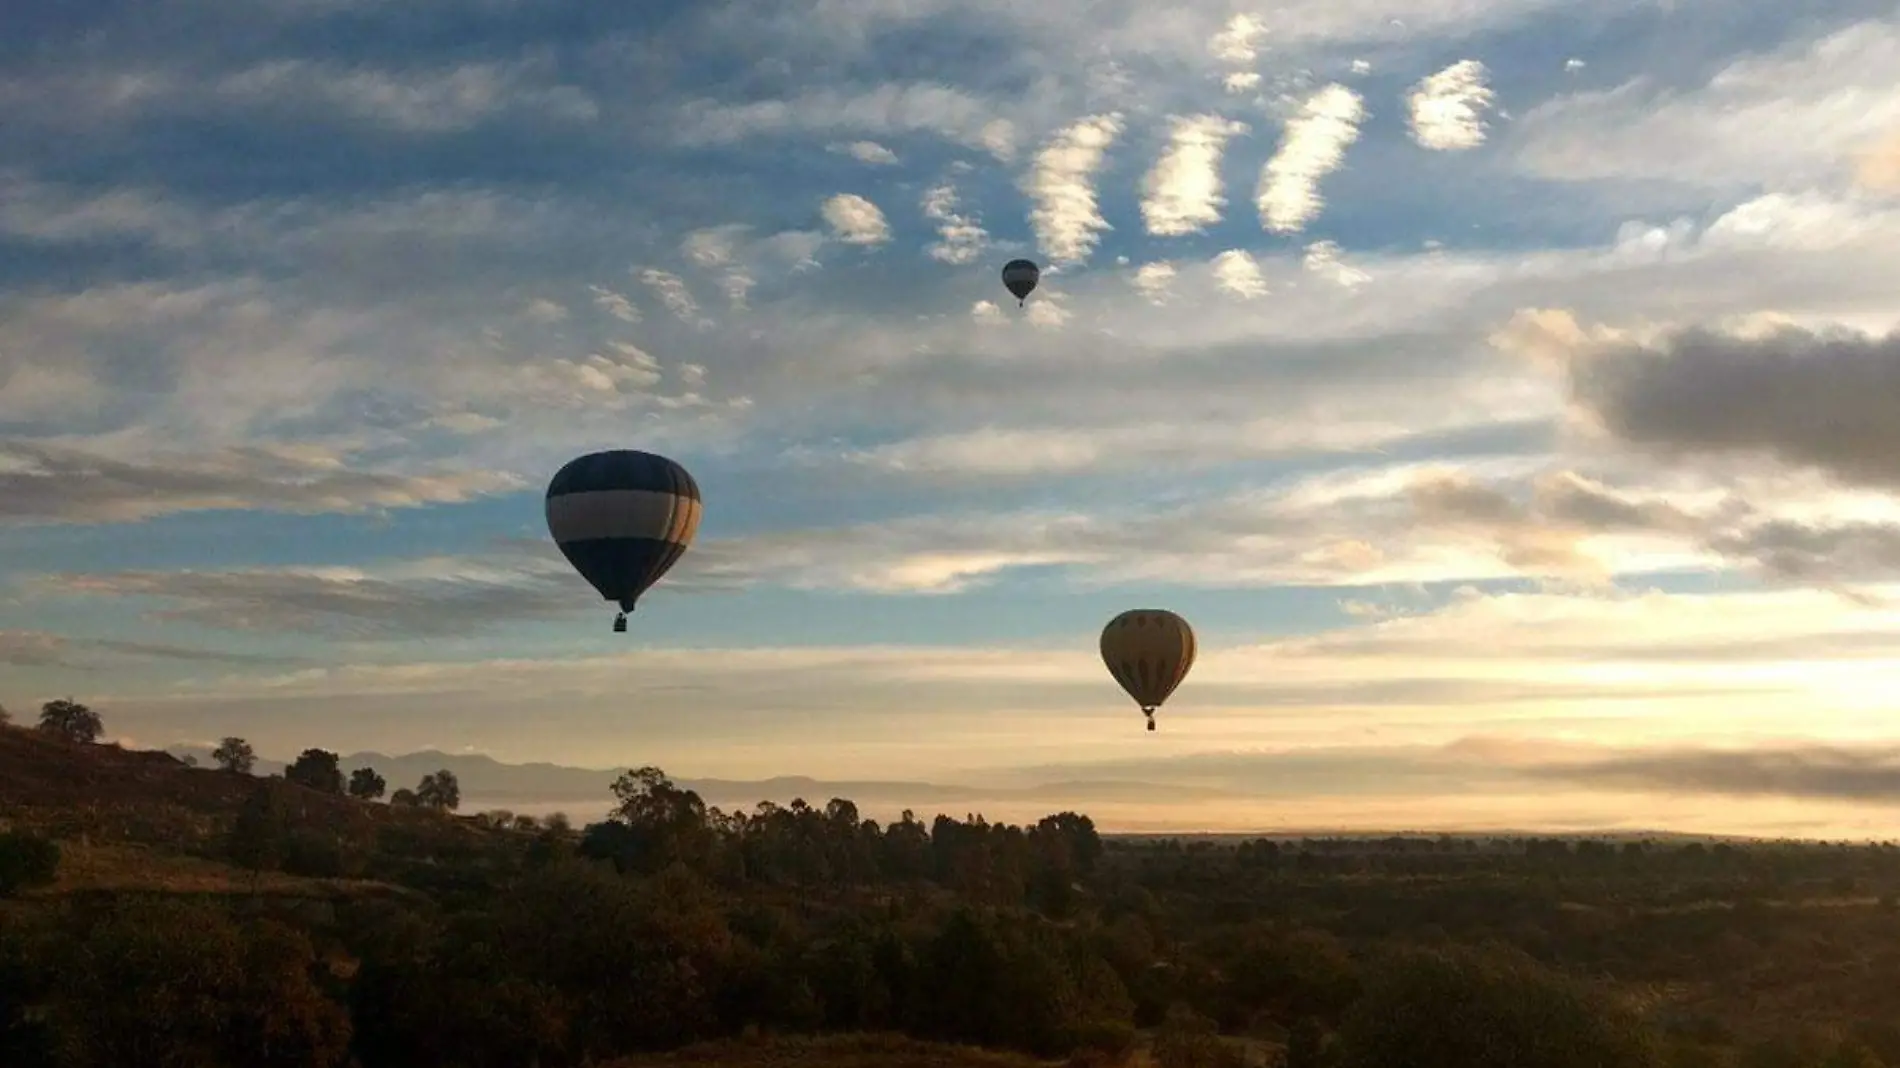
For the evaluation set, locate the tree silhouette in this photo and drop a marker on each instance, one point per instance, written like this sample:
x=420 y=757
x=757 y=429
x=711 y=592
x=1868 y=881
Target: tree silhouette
x=261 y=833
x=316 y=769
x=68 y=719
x=26 y=861
x=5 y=716
x=404 y=798
x=235 y=755
x=366 y=785
x=439 y=790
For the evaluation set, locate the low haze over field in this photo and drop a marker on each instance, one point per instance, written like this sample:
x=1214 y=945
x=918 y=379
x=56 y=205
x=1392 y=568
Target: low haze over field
x=1506 y=392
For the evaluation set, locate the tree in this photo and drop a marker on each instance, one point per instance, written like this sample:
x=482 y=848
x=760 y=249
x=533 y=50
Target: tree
x=68 y=719
x=5 y=716
x=316 y=769
x=26 y=861
x=366 y=785
x=439 y=790
x=1466 y=1009
x=404 y=798
x=261 y=834
x=235 y=755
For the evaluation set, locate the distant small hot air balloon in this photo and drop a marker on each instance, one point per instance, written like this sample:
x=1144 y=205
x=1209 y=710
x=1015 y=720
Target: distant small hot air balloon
x=1149 y=651
x=622 y=518
x=1020 y=277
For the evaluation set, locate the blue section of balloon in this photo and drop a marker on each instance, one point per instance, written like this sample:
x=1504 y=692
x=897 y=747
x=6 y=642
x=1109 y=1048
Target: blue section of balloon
x=622 y=469
x=625 y=551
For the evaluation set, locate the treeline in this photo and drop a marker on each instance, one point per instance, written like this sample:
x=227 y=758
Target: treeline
x=507 y=942
x=673 y=922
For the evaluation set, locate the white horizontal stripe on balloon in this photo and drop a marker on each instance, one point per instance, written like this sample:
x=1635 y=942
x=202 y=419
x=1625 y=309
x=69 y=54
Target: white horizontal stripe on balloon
x=653 y=514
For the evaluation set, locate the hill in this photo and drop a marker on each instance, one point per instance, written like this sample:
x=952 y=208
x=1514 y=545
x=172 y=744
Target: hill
x=383 y=936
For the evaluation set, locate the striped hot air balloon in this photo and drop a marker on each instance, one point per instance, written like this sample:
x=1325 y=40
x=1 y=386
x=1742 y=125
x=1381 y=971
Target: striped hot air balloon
x=622 y=518
x=1020 y=277
x=1149 y=651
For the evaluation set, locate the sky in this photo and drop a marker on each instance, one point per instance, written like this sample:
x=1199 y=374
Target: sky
x=1508 y=393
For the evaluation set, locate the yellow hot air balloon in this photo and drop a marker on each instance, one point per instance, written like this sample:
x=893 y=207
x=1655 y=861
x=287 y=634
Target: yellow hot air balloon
x=1149 y=651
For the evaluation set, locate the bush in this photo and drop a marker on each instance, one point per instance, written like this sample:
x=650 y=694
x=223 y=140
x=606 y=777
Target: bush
x=26 y=861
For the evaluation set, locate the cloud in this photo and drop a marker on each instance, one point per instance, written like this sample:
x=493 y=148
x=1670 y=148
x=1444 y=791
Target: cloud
x=1323 y=258
x=1853 y=773
x=1240 y=81
x=1789 y=118
x=1236 y=272
x=1478 y=683
x=614 y=304
x=960 y=239
x=1182 y=193
x=419 y=102
x=886 y=109
x=672 y=291
x=1806 y=397
x=1313 y=146
x=1235 y=43
x=544 y=311
x=855 y=220
x=1446 y=109
x=866 y=152
x=428 y=597
x=1067 y=220
x=1879 y=167
x=717 y=248
x=1154 y=280
x=45 y=482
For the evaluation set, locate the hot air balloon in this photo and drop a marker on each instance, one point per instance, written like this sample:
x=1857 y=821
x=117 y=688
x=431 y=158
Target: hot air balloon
x=1020 y=277
x=622 y=518
x=1149 y=651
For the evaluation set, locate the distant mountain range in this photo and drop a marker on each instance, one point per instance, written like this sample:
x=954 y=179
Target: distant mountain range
x=494 y=782
x=587 y=794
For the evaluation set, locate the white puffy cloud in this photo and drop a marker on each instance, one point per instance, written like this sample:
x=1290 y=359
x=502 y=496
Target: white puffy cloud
x=1446 y=109
x=855 y=220
x=1236 y=42
x=1182 y=192
x=1154 y=280
x=1313 y=146
x=1061 y=182
x=1236 y=272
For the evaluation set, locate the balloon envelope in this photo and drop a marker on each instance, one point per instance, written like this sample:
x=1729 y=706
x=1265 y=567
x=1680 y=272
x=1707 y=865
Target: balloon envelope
x=622 y=518
x=1149 y=651
x=1020 y=277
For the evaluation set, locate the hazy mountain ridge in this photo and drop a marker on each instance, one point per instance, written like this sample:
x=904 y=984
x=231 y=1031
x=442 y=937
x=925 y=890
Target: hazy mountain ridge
x=586 y=793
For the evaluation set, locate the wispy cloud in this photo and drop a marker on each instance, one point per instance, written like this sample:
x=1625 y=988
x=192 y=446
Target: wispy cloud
x=960 y=239
x=866 y=152
x=43 y=482
x=1313 y=146
x=1447 y=109
x=1182 y=193
x=615 y=304
x=432 y=102
x=672 y=291
x=1066 y=217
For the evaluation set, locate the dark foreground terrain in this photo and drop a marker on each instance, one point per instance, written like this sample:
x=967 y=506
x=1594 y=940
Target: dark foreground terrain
x=157 y=914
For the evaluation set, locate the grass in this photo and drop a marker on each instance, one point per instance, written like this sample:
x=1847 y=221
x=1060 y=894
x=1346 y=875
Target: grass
x=125 y=867
x=832 y=1051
